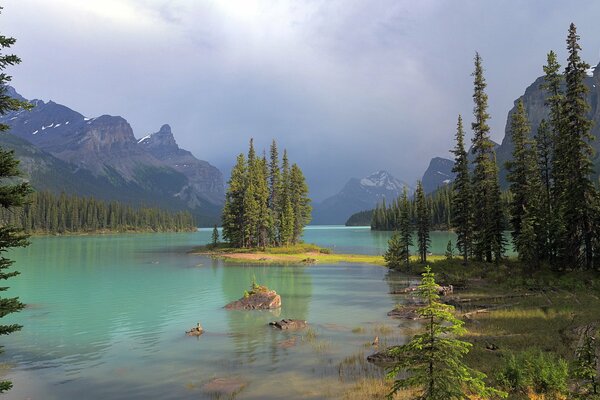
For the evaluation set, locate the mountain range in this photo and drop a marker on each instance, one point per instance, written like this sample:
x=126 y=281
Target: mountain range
x=358 y=195
x=62 y=151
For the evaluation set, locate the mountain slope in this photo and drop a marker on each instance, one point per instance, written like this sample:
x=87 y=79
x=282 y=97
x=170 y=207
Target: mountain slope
x=357 y=195
x=202 y=177
x=533 y=100
x=103 y=153
x=439 y=173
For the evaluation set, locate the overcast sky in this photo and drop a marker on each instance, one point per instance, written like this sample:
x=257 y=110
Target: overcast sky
x=348 y=86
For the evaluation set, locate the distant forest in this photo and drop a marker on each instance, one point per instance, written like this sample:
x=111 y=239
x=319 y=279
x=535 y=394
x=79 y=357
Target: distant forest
x=47 y=213
x=385 y=217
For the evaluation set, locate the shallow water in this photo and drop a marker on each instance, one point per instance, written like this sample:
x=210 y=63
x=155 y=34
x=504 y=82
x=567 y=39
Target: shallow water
x=106 y=318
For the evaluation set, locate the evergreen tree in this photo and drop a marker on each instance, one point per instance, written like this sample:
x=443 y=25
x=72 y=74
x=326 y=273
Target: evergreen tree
x=586 y=367
x=462 y=210
x=265 y=216
x=449 y=250
x=488 y=224
x=274 y=188
x=395 y=255
x=423 y=222
x=300 y=202
x=286 y=219
x=405 y=227
x=215 y=237
x=233 y=211
x=523 y=176
x=547 y=223
x=578 y=198
x=433 y=360
x=12 y=194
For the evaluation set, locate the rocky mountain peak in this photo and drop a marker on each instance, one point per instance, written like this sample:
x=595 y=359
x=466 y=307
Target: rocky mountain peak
x=382 y=180
x=163 y=139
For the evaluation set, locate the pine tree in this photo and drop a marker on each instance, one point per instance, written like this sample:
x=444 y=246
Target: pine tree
x=525 y=186
x=300 y=202
x=233 y=211
x=215 y=237
x=577 y=200
x=488 y=224
x=547 y=223
x=586 y=367
x=274 y=188
x=286 y=219
x=395 y=255
x=423 y=222
x=462 y=201
x=12 y=194
x=265 y=217
x=449 y=250
x=405 y=227
x=432 y=360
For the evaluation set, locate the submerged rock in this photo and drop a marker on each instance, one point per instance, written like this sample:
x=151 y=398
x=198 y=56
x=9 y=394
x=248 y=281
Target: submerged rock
x=289 y=324
x=288 y=343
x=259 y=300
x=224 y=386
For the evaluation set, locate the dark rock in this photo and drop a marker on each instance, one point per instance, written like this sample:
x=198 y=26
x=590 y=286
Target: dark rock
x=405 y=312
x=383 y=357
x=262 y=300
x=289 y=324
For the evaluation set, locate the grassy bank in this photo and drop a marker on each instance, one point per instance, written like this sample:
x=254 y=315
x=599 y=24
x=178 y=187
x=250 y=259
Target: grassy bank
x=302 y=253
x=510 y=311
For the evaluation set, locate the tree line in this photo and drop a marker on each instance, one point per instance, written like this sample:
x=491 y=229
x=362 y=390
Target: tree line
x=555 y=205
x=45 y=212
x=266 y=203
x=552 y=207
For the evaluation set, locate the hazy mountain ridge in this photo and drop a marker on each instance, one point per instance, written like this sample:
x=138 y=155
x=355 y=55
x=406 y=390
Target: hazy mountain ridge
x=358 y=195
x=61 y=150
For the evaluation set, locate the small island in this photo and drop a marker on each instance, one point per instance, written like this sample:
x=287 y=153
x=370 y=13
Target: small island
x=302 y=253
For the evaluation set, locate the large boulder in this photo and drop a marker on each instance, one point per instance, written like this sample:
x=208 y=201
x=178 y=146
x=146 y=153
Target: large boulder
x=289 y=324
x=258 y=300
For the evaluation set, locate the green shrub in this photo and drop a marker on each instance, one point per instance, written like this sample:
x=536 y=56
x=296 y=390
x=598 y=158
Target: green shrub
x=541 y=372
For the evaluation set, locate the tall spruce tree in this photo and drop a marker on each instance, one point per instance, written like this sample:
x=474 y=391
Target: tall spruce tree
x=12 y=194
x=300 y=202
x=488 y=225
x=433 y=359
x=233 y=211
x=265 y=216
x=555 y=102
x=462 y=201
x=525 y=186
x=274 y=188
x=286 y=219
x=423 y=222
x=577 y=200
x=544 y=149
x=405 y=227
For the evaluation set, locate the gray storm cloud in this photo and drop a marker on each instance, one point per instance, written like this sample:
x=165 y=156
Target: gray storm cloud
x=347 y=86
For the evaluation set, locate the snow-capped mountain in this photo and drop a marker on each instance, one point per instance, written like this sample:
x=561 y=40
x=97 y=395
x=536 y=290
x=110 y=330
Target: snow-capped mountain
x=358 y=195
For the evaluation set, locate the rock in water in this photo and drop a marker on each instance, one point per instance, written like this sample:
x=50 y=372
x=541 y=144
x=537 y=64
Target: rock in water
x=260 y=300
x=289 y=324
x=224 y=386
x=383 y=358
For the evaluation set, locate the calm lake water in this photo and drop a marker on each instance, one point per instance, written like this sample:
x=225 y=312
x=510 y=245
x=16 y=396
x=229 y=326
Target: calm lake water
x=107 y=314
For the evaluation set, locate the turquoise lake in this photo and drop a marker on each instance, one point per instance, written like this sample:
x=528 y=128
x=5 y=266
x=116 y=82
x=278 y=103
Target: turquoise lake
x=106 y=318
